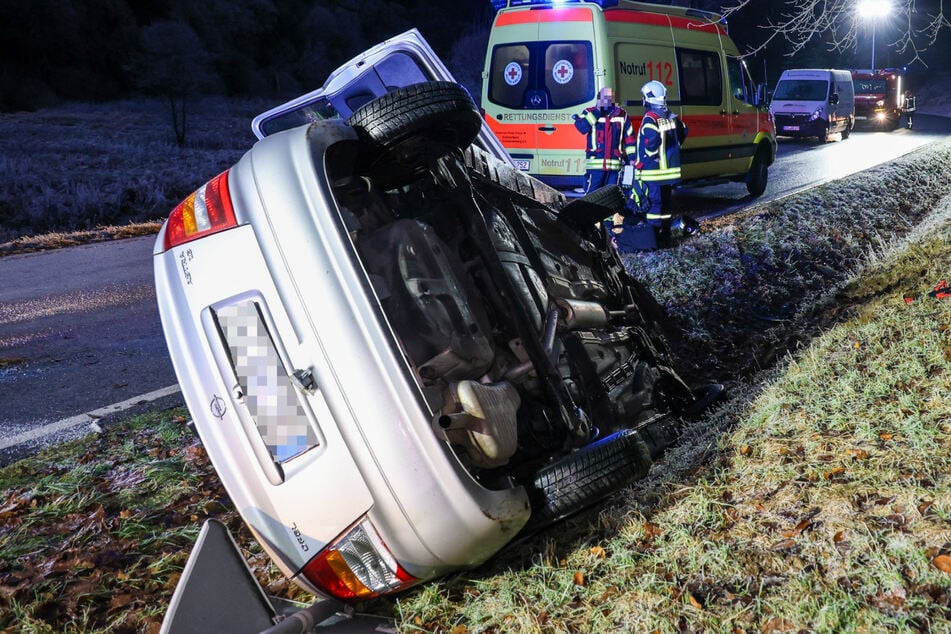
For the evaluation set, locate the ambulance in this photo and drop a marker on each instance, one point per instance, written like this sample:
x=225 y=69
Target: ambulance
x=546 y=61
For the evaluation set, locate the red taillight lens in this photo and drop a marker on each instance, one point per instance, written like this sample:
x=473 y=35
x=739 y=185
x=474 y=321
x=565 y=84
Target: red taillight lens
x=206 y=211
x=357 y=566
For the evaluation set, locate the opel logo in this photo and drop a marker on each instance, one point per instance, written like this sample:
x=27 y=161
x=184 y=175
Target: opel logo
x=218 y=407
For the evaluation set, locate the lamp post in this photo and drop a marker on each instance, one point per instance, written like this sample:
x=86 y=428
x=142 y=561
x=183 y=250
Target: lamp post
x=873 y=9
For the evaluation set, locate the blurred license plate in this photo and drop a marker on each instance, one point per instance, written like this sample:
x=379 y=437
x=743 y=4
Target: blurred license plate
x=522 y=164
x=791 y=127
x=268 y=392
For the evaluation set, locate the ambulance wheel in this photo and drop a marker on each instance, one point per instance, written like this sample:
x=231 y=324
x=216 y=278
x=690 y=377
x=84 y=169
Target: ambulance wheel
x=406 y=131
x=758 y=176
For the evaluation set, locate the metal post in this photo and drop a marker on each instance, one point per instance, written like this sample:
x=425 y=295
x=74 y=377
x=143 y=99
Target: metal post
x=873 y=44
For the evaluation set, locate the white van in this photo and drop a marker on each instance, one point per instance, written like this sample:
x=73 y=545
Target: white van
x=814 y=102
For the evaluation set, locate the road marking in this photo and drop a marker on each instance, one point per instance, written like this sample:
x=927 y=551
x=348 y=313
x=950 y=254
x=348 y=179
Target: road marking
x=88 y=417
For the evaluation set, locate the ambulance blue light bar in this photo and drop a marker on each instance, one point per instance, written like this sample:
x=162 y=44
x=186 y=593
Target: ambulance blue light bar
x=501 y=4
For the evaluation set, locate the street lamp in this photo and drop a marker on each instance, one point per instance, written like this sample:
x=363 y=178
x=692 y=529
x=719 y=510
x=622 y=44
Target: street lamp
x=873 y=9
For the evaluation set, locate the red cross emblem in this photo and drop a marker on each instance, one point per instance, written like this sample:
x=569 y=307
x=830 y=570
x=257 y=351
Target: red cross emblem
x=563 y=71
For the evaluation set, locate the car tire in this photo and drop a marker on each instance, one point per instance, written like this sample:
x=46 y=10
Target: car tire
x=587 y=476
x=848 y=129
x=584 y=212
x=758 y=176
x=406 y=131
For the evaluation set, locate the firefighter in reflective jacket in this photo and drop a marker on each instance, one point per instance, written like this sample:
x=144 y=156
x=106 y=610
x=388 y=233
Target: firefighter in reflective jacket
x=610 y=140
x=656 y=162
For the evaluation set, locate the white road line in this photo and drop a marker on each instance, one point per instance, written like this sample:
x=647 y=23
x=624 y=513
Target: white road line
x=88 y=417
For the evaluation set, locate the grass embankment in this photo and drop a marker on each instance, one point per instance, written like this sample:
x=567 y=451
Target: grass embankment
x=94 y=534
x=80 y=167
x=825 y=505
x=818 y=498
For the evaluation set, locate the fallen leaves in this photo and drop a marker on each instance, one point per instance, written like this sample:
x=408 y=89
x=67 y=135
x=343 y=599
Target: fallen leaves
x=598 y=552
x=832 y=473
x=652 y=530
x=858 y=454
x=786 y=547
x=942 y=563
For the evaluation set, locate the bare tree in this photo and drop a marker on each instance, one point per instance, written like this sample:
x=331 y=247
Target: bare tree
x=839 y=23
x=175 y=65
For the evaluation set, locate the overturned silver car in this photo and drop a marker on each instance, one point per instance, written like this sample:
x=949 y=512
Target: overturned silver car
x=399 y=351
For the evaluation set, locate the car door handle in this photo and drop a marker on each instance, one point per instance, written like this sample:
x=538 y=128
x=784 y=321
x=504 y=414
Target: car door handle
x=723 y=113
x=547 y=128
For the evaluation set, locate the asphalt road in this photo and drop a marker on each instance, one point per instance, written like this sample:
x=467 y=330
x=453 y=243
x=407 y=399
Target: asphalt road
x=79 y=331
x=80 y=335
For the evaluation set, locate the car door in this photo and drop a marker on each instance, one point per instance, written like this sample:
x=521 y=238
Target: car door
x=399 y=61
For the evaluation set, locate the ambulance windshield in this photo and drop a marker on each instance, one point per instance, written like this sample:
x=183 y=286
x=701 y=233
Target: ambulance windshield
x=541 y=75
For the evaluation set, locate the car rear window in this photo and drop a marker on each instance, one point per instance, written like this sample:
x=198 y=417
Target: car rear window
x=541 y=75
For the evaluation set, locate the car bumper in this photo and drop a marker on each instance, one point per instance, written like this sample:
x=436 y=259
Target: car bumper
x=289 y=274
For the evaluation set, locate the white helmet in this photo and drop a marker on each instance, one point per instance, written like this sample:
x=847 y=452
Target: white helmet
x=654 y=93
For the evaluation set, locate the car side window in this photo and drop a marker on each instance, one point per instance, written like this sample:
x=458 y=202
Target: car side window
x=701 y=80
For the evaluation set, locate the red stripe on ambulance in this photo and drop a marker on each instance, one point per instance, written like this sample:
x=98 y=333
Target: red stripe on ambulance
x=544 y=15
x=656 y=19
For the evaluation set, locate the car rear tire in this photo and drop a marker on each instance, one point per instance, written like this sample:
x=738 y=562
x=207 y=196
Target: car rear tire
x=758 y=176
x=587 y=476
x=409 y=129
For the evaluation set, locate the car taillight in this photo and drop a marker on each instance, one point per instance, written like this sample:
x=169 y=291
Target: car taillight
x=357 y=566
x=204 y=212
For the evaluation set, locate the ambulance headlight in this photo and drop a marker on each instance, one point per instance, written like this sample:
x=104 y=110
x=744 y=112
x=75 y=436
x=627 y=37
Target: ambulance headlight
x=817 y=113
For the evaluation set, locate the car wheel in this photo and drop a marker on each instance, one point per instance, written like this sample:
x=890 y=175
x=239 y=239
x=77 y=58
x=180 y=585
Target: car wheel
x=758 y=176
x=409 y=129
x=594 y=207
x=587 y=476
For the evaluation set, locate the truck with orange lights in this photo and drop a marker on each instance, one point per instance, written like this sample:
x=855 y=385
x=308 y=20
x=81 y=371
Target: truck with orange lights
x=546 y=61
x=879 y=97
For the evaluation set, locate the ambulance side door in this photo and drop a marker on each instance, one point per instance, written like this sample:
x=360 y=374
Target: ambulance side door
x=744 y=116
x=705 y=108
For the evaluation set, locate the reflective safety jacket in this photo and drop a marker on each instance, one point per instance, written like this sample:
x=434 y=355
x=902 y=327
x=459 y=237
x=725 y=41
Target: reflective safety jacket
x=610 y=137
x=658 y=147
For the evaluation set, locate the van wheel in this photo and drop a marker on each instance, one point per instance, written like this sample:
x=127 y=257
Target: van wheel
x=758 y=175
x=409 y=129
x=848 y=129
